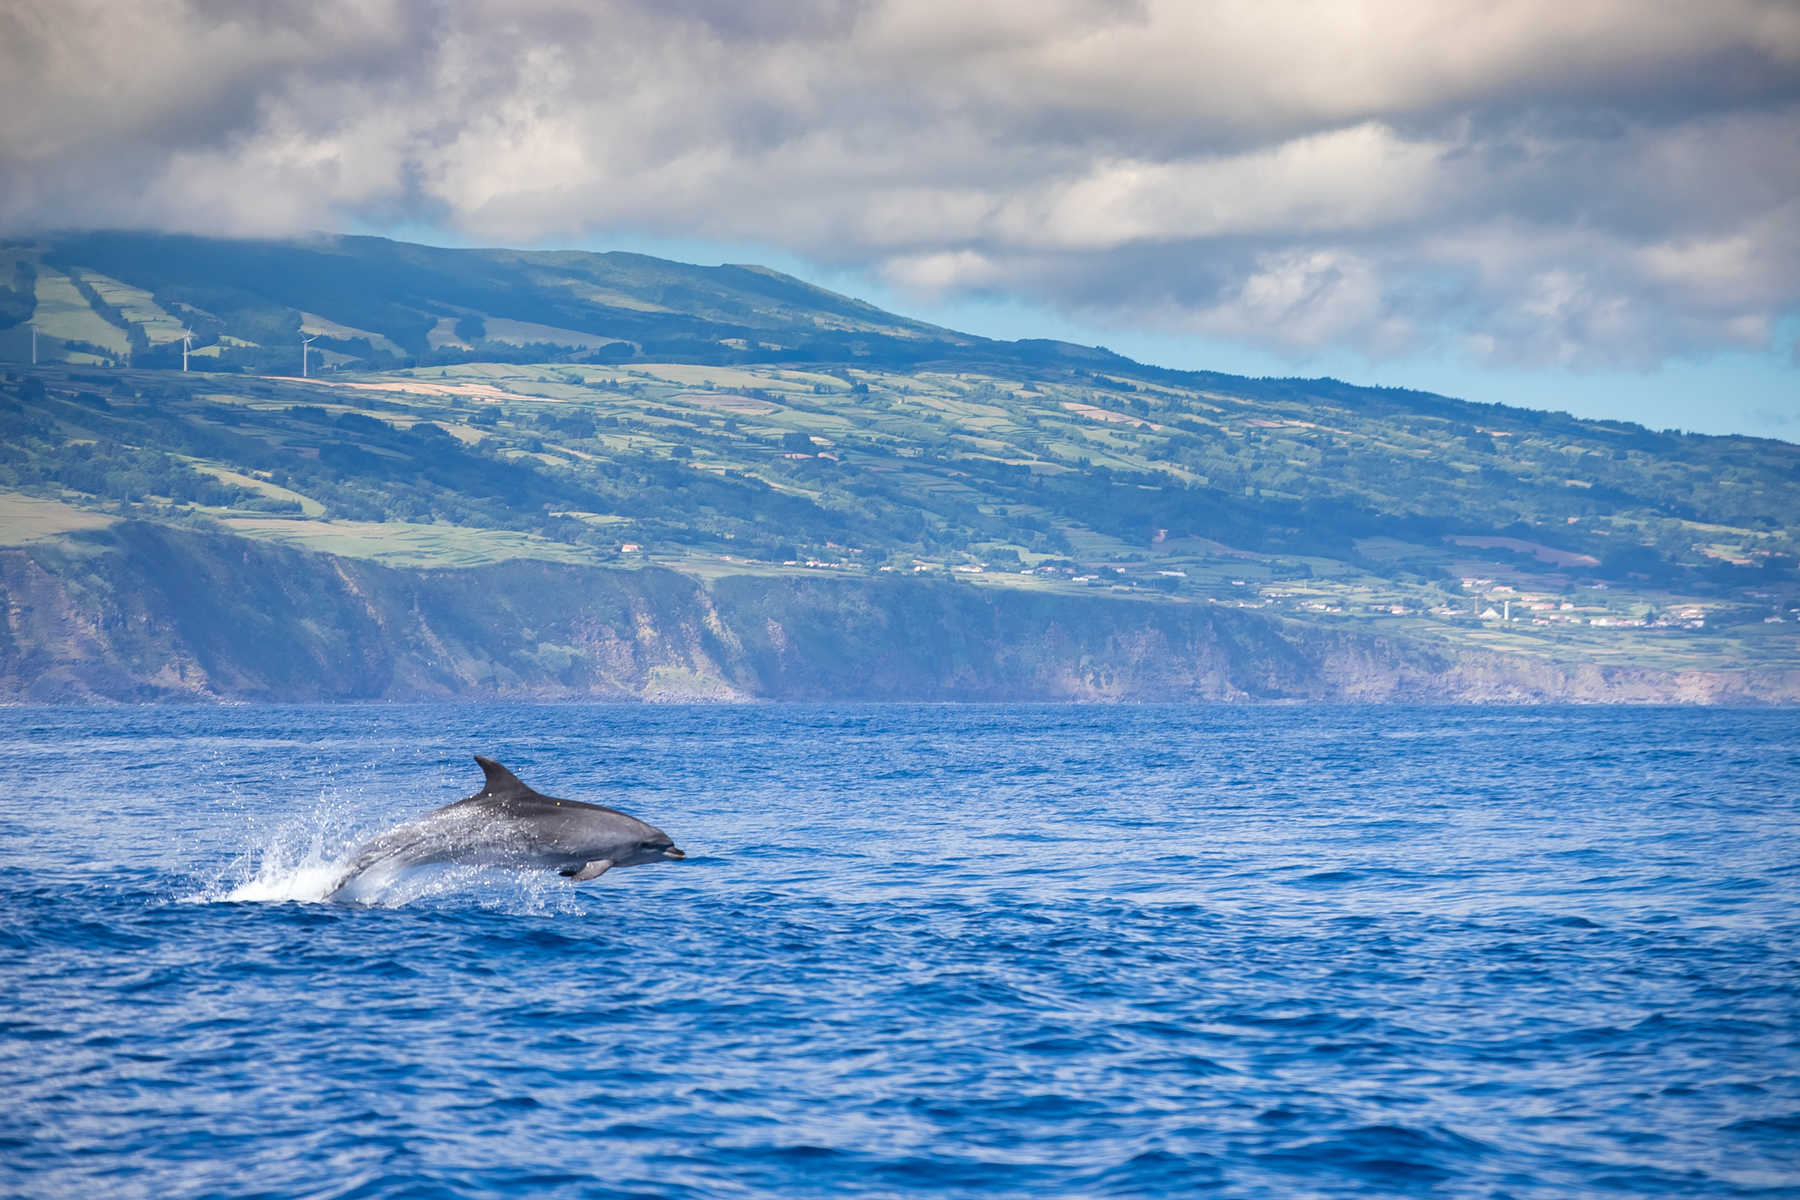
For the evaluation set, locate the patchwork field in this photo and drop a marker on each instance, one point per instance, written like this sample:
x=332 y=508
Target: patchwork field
x=400 y=544
x=1058 y=485
x=479 y=406
x=27 y=519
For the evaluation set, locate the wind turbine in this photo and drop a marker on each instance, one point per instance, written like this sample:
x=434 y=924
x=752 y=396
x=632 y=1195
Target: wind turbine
x=305 y=344
x=187 y=342
x=34 y=343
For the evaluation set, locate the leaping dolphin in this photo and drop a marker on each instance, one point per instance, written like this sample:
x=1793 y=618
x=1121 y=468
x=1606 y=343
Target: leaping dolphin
x=507 y=824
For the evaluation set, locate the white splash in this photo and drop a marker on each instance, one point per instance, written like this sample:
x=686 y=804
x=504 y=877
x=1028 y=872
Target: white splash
x=304 y=882
x=297 y=862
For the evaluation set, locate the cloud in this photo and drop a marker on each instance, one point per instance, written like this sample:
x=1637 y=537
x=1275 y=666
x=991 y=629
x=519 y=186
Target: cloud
x=1572 y=182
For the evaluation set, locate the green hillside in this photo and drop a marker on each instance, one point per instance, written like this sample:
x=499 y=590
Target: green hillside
x=115 y=298
x=729 y=422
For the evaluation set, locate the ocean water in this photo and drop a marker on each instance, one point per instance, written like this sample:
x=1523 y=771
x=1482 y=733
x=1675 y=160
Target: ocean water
x=915 y=951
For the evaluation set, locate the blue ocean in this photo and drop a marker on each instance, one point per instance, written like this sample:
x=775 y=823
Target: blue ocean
x=913 y=951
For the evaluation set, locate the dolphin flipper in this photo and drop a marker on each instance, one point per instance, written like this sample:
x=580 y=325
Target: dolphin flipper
x=593 y=870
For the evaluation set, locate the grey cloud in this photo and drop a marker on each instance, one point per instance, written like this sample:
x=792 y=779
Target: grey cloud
x=1564 y=181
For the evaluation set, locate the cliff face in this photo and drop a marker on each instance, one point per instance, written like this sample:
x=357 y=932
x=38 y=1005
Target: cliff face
x=143 y=612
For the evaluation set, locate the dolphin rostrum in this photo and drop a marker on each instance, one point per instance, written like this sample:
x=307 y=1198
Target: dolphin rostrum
x=507 y=824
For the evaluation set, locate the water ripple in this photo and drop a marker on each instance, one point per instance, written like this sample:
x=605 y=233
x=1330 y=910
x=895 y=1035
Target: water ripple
x=958 y=951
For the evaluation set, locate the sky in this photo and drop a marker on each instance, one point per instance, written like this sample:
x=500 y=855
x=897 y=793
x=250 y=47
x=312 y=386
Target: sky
x=1587 y=205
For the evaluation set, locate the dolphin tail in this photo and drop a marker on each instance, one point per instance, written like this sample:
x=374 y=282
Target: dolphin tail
x=351 y=874
x=370 y=858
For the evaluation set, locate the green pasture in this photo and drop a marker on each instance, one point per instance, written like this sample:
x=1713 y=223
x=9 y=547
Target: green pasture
x=25 y=519
x=308 y=506
x=140 y=308
x=63 y=313
x=401 y=544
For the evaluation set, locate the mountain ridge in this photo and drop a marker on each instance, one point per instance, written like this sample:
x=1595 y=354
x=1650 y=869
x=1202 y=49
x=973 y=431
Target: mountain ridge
x=149 y=252
x=756 y=427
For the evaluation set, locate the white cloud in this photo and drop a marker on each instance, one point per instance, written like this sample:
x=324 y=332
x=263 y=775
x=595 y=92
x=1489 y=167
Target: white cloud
x=1357 y=178
x=1559 y=181
x=1302 y=298
x=943 y=271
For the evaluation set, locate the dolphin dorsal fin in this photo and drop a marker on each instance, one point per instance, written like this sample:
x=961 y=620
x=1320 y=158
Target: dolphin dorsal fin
x=500 y=781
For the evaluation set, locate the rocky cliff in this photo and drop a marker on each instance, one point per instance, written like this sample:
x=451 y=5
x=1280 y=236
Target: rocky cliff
x=145 y=612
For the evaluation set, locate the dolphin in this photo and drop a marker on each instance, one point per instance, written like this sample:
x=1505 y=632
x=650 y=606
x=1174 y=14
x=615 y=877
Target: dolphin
x=507 y=824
